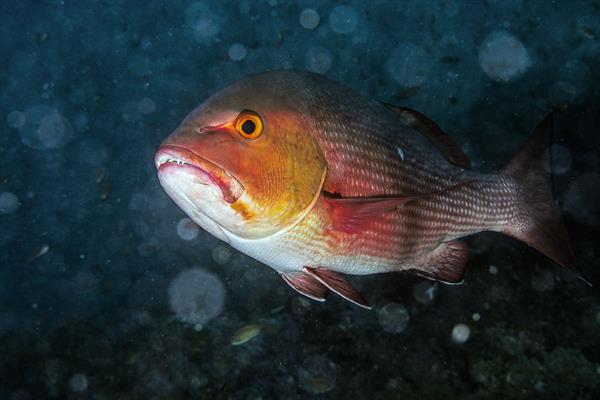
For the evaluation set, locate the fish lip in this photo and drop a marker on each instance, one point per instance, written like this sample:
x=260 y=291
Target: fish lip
x=175 y=156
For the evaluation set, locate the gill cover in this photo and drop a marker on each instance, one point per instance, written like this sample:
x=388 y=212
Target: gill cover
x=261 y=135
x=283 y=172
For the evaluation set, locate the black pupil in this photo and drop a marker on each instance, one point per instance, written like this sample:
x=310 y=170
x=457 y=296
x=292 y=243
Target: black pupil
x=248 y=127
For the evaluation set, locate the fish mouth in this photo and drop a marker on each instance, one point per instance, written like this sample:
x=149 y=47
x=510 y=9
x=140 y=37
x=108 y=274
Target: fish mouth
x=177 y=159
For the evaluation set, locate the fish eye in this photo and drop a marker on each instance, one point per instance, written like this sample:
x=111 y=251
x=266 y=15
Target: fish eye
x=249 y=125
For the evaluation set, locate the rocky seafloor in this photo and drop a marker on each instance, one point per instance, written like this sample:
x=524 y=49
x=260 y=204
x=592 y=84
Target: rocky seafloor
x=108 y=292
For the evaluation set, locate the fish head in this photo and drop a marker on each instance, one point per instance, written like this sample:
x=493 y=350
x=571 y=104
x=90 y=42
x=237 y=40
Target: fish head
x=245 y=160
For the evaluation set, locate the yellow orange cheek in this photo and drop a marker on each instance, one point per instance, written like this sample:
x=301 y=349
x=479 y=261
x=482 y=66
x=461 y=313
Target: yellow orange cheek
x=242 y=209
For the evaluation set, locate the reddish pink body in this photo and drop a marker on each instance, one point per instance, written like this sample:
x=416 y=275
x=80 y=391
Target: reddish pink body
x=343 y=184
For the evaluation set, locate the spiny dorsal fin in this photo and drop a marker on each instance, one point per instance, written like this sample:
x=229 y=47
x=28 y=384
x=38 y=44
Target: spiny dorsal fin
x=444 y=143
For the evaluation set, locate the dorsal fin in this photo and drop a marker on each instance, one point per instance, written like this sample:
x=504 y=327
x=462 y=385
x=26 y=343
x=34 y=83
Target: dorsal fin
x=425 y=126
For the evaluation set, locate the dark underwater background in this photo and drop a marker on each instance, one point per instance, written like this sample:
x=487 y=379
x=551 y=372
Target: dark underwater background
x=108 y=292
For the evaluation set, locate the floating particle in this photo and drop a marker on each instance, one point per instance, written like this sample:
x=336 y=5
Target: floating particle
x=187 y=229
x=460 y=333
x=78 y=383
x=146 y=106
x=492 y=269
x=40 y=251
x=309 y=18
x=393 y=318
x=237 y=52
x=16 y=119
x=105 y=191
x=45 y=128
x=424 y=292
x=575 y=78
x=503 y=57
x=221 y=254
x=246 y=333
x=205 y=20
x=318 y=59
x=560 y=161
x=100 y=174
x=196 y=296
x=409 y=65
x=582 y=199
x=543 y=280
x=476 y=317
x=343 y=19
x=317 y=374
x=451 y=8
x=41 y=37
x=54 y=130
x=9 y=203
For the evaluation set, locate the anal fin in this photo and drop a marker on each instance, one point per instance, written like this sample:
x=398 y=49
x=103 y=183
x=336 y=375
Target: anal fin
x=337 y=284
x=306 y=284
x=445 y=264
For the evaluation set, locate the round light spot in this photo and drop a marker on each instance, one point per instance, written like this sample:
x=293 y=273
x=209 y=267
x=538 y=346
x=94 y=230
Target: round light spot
x=560 y=159
x=221 y=254
x=196 y=296
x=409 y=65
x=543 y=280
x=54 y=130
x=309 y=18
x=187 y=229
x=237 y=52
x=317 y=375
x=425 y=292
x=393 y=318
x=78 y=383
x=460 y=333
x=343 y=19
x=16 y=119
x=503 y=57
x=318 y=59
x=146 y=106
x=9 y=203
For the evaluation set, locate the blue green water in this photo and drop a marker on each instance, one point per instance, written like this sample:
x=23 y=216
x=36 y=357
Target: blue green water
x=107 y=292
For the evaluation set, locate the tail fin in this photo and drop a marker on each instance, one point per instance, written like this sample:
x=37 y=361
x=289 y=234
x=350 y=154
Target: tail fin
x=540 y=223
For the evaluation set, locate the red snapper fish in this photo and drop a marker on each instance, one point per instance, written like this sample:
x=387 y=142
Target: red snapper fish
x=316 y=181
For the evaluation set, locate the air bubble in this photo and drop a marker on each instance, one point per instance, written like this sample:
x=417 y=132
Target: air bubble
x=187 y=229
x=460 y=333
x=503 y=57
x=9 y=203
x=318 y=59
x=393 y=318
x=237 y=52
x=309 y=18
x=343 y=19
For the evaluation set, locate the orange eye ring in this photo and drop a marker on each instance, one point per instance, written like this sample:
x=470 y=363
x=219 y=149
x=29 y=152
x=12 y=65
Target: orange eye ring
x=249 y=125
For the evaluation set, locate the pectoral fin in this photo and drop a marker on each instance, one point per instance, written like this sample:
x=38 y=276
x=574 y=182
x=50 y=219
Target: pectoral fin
x=350 y=215
x=337 y=284
x=445 y=264
x=306 y=284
